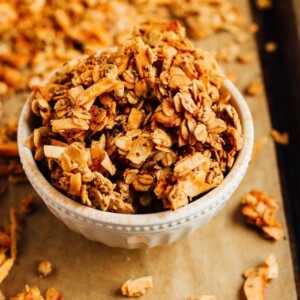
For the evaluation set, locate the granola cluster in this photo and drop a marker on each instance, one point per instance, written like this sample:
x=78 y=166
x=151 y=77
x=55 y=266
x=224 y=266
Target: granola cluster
x=8 y=244
x=141 y=129
x=38 y=35
x=257 y=279
x=260 y=210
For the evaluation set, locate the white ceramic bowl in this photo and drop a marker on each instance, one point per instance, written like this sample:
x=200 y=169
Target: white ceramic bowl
x=138 y=231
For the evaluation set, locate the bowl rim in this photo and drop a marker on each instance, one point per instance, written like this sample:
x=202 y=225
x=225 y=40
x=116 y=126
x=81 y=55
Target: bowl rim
x=64 y=203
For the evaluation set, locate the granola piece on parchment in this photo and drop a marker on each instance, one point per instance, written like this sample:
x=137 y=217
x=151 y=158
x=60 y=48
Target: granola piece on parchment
x=256 y=279
x=137 y=287
x=260 y=210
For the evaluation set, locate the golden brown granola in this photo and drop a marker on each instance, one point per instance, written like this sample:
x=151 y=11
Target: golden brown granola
x=203 y=297
x=140 y=129
x=264 y=4
x=34 y=293
x=280 y=138
x=254 y=88
x=63 y=29
x=257 y=278
x=44 y=268
x=271 y=47
x=260 y=210
x=137 y=287
x=8 y=245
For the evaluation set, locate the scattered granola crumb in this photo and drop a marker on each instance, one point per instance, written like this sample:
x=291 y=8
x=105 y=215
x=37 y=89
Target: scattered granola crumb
x=264 y=4
x=254 y=89
x=203 y=297
x=34 y=293
x=44 y=268
x=253 y=27
x=53 y=294
x=271 y=47
x=257 y=278
x=8 y=245
x=260 y=210
x=280 y=138
x=28 y=203
x=137 y=287
x=245 y=58
x=258 y=146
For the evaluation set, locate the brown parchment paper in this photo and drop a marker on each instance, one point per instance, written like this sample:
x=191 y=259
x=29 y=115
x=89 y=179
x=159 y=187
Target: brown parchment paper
x=209 y=261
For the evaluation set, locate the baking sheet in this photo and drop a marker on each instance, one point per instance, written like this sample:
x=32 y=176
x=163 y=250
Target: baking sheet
x=209 y=261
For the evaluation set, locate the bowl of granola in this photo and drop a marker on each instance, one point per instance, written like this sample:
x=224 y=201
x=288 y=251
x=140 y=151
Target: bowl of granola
x=140 y=145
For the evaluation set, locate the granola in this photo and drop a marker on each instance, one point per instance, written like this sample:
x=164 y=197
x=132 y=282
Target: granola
x=260 y=210
x=257 y=278
x=8 y=245
x=137 y=287
x=64 y=29
x=254 y=88
x=34 y=293
x=280 y=138
x=149 y=120
x=203 y=297
x=44 y=268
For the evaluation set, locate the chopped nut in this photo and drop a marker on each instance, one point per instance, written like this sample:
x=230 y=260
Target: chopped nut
x=44 y=268
x=260 y=210
x=137 y=287
x=280 y=138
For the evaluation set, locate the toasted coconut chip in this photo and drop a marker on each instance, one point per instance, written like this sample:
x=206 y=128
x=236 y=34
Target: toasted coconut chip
x=53 y=151
x=87 y=98
x=137 y=287
x=5 y=268
x=257 y=278
x=62 y=125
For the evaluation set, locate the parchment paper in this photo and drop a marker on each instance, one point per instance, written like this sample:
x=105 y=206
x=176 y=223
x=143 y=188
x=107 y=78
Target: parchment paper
x=210 y=261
